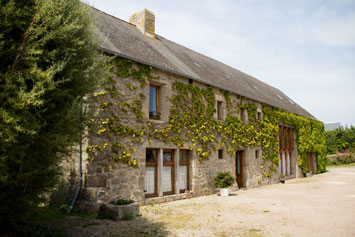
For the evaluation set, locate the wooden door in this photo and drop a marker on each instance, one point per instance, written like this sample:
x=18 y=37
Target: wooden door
x=310 y=162
x=239 y=168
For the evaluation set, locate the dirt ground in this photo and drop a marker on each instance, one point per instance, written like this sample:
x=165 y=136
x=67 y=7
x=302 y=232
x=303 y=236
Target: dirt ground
x=322 y=205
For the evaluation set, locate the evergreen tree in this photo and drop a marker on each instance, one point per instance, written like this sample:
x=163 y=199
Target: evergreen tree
x=49 y=62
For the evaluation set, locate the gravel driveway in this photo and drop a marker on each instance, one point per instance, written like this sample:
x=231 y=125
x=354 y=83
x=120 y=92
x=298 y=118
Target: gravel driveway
x=322 y=205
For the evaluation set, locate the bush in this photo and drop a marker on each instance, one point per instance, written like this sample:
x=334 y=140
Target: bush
x=341 y=158
x=340 y=139
x=49 y=63
x=223 y=180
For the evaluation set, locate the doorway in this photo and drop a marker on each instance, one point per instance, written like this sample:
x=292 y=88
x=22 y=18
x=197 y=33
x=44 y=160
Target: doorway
x=311 y=162
x=239 y=168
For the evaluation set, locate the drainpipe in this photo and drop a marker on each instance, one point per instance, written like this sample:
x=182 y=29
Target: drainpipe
x=80 y=170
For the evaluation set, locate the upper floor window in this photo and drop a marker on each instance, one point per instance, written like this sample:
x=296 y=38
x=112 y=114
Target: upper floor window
x=259 y=116
x=154 y=102
x=244 y=116
x=220 y=154
x=219 y=110
x=286 y=138
x=256 y=154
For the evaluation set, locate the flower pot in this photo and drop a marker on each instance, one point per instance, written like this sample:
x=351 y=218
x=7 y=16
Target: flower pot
x=309 y=174
x=282 y=181
x=224 y=192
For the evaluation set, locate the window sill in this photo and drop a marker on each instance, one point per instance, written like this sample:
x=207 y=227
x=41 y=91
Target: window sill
x=155 y=121
x=169 y=198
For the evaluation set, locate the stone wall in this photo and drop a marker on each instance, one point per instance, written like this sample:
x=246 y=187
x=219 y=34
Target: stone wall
x=105 y=180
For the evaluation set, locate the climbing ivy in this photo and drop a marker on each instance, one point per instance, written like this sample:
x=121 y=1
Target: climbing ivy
x=310 y=135
x=119 y=119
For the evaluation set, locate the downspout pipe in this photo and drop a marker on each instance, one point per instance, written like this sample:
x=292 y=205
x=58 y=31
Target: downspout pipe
x=80 y=180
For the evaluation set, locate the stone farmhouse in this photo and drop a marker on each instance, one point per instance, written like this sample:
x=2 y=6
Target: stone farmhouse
x=154 y=170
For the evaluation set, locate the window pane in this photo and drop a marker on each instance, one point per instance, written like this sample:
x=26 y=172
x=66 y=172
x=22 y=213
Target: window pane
x=167 y=183
x=167 y=156
x=150 y=156
x=183 y=156
x=153 y=111
x=220 y=154
x=149 y=180
x=183 y=177
x=218 y=110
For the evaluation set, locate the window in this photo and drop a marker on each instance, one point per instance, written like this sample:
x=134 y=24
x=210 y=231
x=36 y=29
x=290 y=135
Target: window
x=219 y=110
x=184 y=170
x=220 y=154
x=151 y=176
x=285 y=149
x=154 y=105
x=168 y=176
x=259 y=116
x=256 y=154
x=244 y=116
x=191 y=81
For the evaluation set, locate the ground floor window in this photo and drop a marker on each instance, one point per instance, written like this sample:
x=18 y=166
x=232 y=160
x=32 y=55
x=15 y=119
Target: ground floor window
x=184 y=170
x=163 y=168
x=285 y=159
x=151 y=173
x=168 y=172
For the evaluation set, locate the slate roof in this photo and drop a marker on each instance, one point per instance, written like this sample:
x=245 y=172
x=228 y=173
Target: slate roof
x=124 y=39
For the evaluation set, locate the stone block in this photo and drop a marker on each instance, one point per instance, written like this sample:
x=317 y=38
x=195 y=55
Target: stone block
x=109 y=175
x=116 y=181
x=141 y=183
x=117 y=212
x=88 y=194
x=96 y=181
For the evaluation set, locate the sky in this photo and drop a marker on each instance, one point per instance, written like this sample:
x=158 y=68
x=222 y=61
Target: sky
x=304 y=48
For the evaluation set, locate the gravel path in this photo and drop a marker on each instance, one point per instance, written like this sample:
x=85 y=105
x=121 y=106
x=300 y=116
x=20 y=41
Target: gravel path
x=322 y=205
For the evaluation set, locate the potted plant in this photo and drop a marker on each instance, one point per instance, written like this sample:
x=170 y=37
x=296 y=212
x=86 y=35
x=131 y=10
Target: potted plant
x=224 y=180
x=282 y=178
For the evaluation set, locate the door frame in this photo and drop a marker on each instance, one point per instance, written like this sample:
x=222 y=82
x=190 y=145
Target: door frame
x=239 y=177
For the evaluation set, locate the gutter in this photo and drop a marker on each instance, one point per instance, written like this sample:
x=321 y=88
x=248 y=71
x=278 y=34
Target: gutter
x=80 y=180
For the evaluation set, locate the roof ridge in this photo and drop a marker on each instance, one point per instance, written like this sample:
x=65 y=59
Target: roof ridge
x=239 y=83
x=93 y=8
x=203 y=55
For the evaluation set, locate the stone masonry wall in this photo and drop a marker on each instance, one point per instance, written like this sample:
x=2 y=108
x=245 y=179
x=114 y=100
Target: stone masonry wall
x=103 y=182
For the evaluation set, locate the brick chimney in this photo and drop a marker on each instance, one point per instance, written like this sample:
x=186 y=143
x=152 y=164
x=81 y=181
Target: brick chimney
x=144 y=20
